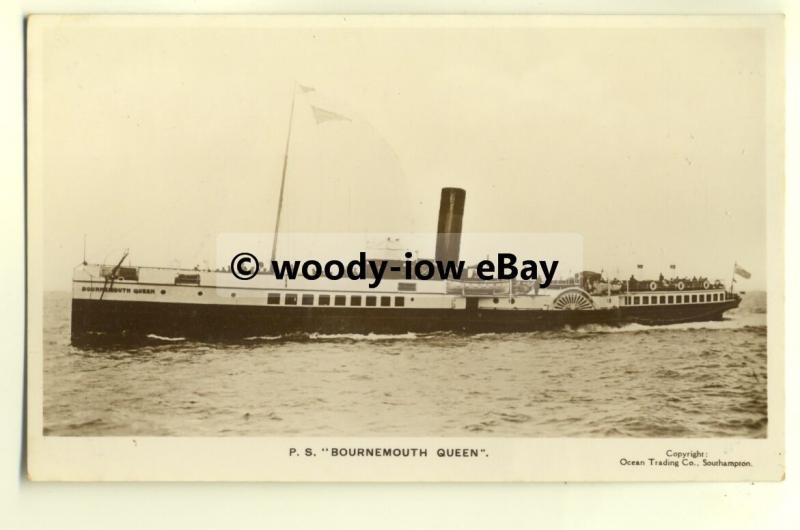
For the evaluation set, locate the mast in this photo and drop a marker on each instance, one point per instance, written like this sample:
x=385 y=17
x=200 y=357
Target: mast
x=283 y=176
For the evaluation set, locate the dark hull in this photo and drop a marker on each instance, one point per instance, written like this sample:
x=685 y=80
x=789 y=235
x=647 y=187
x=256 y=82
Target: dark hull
x=96 y=319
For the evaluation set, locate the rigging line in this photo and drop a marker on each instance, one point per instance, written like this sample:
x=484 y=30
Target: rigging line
x=283 y=174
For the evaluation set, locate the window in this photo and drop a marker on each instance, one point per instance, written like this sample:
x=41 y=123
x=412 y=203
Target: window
x=355 y=300
x=405 y=286
x=702 y=298
x=399 y=301
x=715 y=297
x=636 y=300
x=308 y=299
x=645 y=300
x=370 y=301
x=694 y=298
x=324 y=299
x=386 y=301
x=653 y=300
x=339 y=299
x=273 y=298
x=291 y=299
x=671 y=299
x=679 y=299
x=662 y=299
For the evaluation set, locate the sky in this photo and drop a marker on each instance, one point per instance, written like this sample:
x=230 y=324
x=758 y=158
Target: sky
x=648 y=142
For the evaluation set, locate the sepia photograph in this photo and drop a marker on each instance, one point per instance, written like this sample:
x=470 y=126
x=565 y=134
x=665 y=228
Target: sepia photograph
x=465 y=247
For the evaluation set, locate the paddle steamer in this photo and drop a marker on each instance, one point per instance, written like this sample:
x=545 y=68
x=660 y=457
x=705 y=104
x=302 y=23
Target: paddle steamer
x=118 y=301
x=136 y=302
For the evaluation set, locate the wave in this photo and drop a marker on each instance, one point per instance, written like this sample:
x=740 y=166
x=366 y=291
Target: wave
x=368 y=336
x=166 y=339
x=587 y=329
x=750 y=323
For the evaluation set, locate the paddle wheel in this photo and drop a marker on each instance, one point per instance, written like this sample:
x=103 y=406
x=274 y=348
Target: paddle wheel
x=573 y=299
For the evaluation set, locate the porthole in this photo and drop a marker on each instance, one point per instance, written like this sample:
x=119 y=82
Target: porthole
x=512 y=300
x=163 y=291
x=199 y=293
x=233 y=295
x=496 y=300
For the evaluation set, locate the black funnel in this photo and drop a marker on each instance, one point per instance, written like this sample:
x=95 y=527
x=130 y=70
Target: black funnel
x=448 y=232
